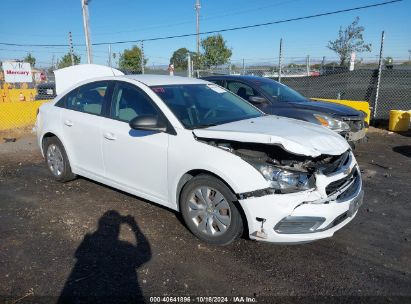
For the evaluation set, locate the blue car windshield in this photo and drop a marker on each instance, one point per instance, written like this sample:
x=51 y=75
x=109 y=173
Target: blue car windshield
x=280 y=92
x=204 y=105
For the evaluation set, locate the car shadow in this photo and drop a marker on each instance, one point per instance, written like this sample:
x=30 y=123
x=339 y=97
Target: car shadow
x=106 y=267
x=404 y=150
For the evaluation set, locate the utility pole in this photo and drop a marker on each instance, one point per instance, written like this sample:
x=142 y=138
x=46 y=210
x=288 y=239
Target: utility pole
x=308 y=65
x=280 y=59
x=377 y=93
x=71 y=48
x=84 y=6
x=197 y=8
x=142 y=57
x=409 y=55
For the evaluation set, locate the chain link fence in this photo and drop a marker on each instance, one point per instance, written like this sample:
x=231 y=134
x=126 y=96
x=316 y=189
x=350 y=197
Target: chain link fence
x=331 y=81
x=313 y=77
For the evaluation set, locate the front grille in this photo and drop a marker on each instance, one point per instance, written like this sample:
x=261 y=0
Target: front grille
x=336 y=163
x=335 y=186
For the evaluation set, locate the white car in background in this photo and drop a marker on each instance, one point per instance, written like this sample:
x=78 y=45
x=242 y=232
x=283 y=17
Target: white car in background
x=197 y=148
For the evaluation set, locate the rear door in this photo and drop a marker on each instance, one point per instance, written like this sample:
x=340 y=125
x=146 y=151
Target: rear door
x=134 y=159
x=82 y=119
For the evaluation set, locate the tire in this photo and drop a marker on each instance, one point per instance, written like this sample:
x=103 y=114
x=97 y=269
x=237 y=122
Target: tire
x=57 y=161
x=209 y=210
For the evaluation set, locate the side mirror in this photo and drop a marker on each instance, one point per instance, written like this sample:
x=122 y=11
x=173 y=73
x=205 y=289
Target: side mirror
x=257 y=100
x=148 y=123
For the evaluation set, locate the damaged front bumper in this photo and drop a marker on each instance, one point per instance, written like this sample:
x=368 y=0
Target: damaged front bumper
x=356 y=137
x=306 y=216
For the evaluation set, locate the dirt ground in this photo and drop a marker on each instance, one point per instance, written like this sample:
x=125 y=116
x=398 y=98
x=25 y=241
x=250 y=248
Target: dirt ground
x=61 y=240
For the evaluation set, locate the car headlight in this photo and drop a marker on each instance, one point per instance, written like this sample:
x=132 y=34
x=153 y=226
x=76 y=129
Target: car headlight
x=332 y=123
x=284 y=180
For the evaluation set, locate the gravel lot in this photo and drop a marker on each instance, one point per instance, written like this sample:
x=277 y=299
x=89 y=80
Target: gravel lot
x=51 y=242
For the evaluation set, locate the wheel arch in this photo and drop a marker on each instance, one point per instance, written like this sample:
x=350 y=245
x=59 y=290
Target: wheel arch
x=50 y=134
x=195 y=172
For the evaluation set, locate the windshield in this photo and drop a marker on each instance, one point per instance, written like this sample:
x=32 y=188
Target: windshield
x=204 y=105
x=280 y=92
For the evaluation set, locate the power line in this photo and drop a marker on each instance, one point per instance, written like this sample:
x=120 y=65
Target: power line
x=220 y=30
x=202 y=18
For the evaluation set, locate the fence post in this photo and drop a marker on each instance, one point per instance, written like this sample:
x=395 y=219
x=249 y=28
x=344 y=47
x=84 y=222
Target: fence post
x=71 y=48
x=189 y=65
x=142 y=57
x=109 y=55
x=322 y=65
x=243 y=67
x=308 y=65
x=377 y=93
x=280 y=58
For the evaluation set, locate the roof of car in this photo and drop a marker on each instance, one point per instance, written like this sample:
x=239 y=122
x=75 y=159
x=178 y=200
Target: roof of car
x=238 y=77
x=154 y=80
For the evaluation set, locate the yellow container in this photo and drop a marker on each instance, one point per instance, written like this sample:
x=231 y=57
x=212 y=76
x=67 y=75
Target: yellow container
x=399 y=120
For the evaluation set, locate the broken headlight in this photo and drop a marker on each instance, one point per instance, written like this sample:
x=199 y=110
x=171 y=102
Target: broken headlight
x=332 y=123
x=285 y=180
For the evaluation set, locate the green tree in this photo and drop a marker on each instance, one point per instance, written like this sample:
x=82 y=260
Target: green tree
x=65 y=61
x=130 y=59
x=179 y=58
x=215 y=51
x=30 y=59
x=349 y=40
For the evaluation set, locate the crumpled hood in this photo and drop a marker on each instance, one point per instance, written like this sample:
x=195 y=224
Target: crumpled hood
x=295 y=136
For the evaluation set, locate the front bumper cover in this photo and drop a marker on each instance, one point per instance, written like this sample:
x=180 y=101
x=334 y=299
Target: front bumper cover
x=265 y=213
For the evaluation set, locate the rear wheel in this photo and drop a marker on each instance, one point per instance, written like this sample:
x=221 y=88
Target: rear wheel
x=209 y=210
x=57 y=160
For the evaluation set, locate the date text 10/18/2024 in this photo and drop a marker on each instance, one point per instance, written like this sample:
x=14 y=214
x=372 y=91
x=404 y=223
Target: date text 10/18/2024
x=198 y=299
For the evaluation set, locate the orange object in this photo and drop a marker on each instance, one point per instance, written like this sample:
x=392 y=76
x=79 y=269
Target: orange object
x=21 y=97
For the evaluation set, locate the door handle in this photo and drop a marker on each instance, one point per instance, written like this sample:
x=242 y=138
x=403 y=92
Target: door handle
x=109 y=136
x=68 y=123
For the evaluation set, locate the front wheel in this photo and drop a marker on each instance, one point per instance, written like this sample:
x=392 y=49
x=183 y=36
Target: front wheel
x=209 y=210
x=57 y=160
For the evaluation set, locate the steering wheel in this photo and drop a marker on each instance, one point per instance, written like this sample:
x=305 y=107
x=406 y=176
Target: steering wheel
x=212 y=111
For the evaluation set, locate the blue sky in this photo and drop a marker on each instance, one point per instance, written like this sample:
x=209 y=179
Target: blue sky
x=49 y=21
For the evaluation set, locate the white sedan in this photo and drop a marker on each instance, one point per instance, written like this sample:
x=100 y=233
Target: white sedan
x=194 y=147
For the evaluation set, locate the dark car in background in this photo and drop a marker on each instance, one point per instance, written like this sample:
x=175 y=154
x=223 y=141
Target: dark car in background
x=46 y=91
x=275 y=98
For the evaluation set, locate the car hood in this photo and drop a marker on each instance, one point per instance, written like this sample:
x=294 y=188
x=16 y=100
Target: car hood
x=295 y=136
x=326 y=108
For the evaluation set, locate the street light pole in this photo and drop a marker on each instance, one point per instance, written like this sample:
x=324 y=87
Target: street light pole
x=84 y=6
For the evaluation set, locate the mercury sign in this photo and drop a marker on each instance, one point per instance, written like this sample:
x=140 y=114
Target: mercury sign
x=17 y=72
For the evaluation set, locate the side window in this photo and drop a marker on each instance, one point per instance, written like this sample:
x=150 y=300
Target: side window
x=88 y=98
x=129 y=102
x=219 y=82
x=63 y=102
x=70 y=99
x=241 y=89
